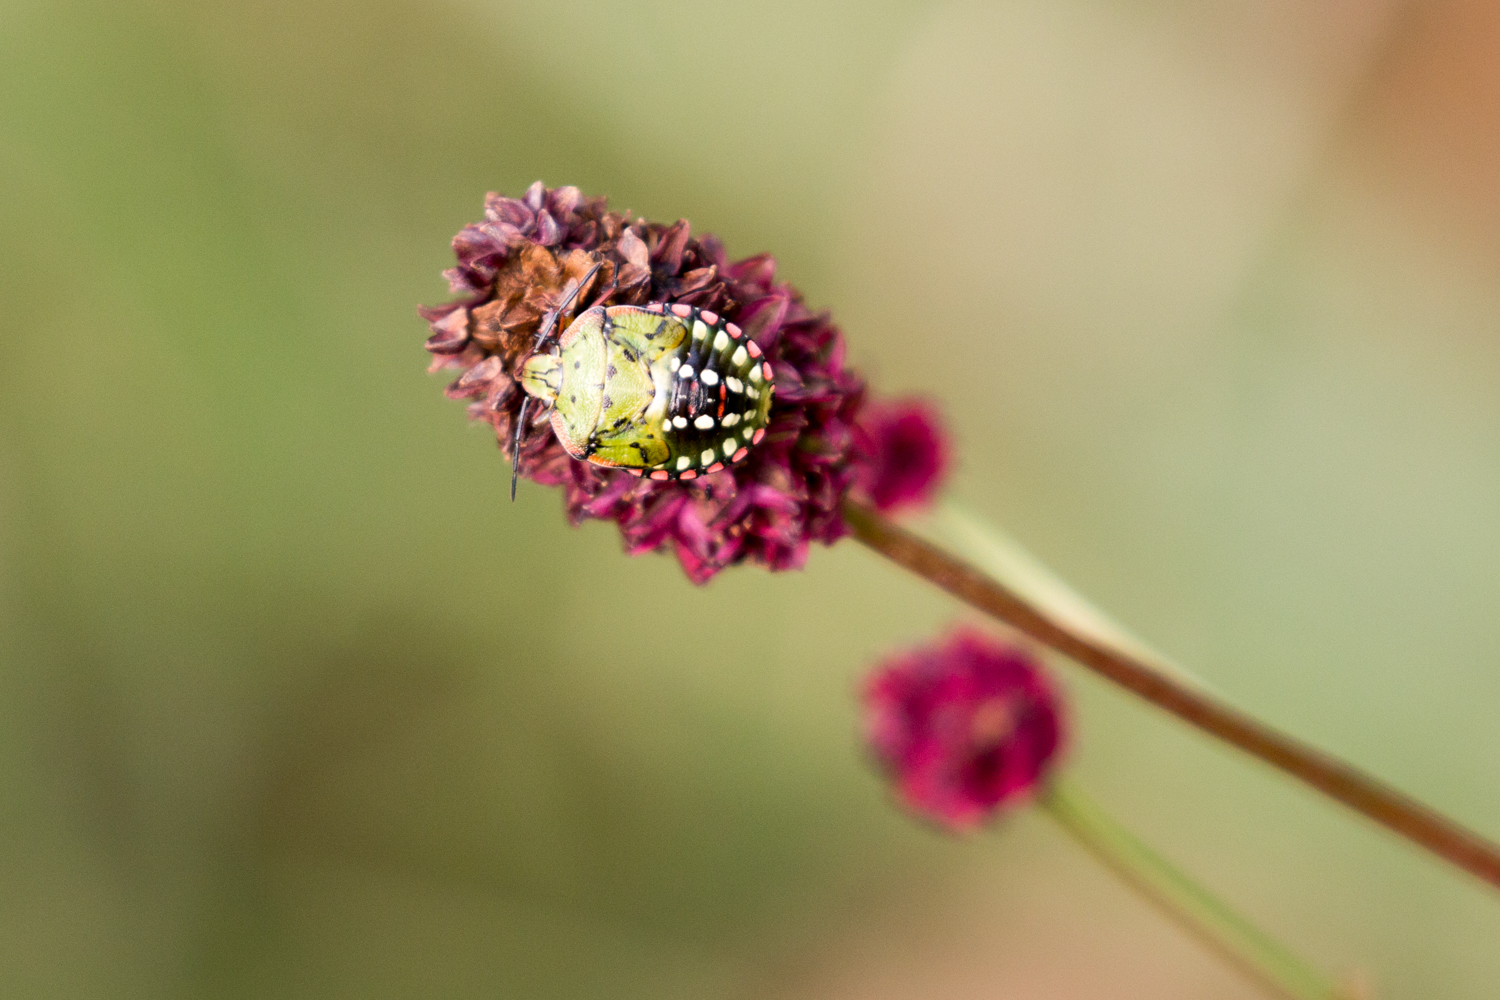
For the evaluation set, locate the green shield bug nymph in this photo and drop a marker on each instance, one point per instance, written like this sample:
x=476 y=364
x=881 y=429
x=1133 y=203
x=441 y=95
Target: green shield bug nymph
x=668 y=391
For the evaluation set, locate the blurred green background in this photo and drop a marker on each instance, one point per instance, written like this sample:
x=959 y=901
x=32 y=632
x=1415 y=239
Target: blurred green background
x=294 y=703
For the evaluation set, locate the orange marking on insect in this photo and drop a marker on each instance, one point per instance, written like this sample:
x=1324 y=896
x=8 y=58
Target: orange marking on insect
x=766 y=367
x=753 y=348
x=637 y=472
x=740 y=454
x=734 y=331
x=689 y=474
x=709 y=317
x=723 y=393
x=758 y=435
x=715 y=467
x=661 y=474
x=682 y=310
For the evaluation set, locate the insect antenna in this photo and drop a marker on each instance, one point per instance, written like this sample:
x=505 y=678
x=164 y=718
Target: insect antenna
x=541 y=338
x=547 y=327
x=515 y=447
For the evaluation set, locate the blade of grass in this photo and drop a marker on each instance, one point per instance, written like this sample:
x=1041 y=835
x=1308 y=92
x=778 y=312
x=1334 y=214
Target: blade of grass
x=1193 y=907
x=1004 y=559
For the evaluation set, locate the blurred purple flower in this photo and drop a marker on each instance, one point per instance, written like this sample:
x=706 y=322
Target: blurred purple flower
x=965 y=728
x=515 y=265
x=905 y=454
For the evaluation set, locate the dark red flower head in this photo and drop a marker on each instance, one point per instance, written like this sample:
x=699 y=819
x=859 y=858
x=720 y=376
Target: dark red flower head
x=905 y=454
x=519 y=262
x=963 y=728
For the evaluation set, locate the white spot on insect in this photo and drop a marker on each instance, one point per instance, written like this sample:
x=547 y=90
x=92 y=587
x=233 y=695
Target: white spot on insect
x=753 y=392
x=704 y=422
x=699 y=330
x=707 y=458
x=679 y=422
x=710 y=377
x=686 y=372
x=735 y=385
x=730 y=419
x=684 y=462
x=739 y=357
x=755 y=375
x=721 y=341
x=728 y=445
x=676 y=363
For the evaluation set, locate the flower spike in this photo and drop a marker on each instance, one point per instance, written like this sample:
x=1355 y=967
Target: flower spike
x=767 y=484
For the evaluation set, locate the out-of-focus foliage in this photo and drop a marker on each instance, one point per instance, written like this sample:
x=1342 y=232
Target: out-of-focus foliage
x=293 y=703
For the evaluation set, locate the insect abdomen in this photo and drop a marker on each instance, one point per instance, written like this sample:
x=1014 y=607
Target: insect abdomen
x=720 y=395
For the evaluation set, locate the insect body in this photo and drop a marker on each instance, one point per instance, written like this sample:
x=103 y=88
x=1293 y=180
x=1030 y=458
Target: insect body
x=665 y=391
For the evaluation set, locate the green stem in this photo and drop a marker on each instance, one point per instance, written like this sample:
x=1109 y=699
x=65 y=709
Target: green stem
x=1193 y=906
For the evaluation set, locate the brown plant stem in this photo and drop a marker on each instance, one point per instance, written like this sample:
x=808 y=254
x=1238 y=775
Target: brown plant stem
x=1378 y=801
